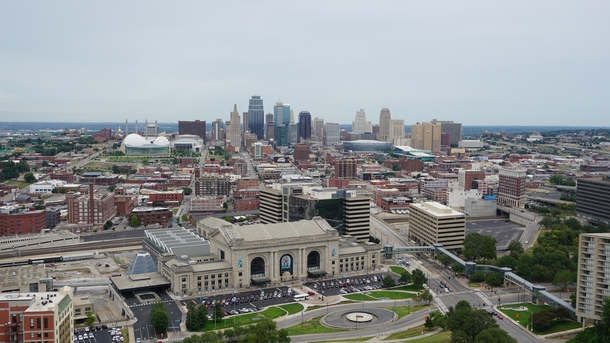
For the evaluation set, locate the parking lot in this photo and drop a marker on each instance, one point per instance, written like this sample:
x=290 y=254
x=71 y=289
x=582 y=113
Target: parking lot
x=95 y=334
x=502 y=230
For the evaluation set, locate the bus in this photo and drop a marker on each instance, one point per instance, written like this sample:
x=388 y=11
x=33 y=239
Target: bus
x=300 y=297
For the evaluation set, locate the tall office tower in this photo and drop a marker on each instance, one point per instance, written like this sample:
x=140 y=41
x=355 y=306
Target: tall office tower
x=511 y=187
x=317 y=128
x=269 y=126
x=291 y=117
x=593 y=199
x=293 y=133
x=432 y=223
x=256 y=116
x=426 y=136
x=384 y=125
x=304 y=126
x=234 y=130
x=196 y=127
x=397 y=129
x=245 y=130
x=359 y=124
x=151 y=130
x=332 y=134
x=454 y=130
x=216 y=130
x=281 y=116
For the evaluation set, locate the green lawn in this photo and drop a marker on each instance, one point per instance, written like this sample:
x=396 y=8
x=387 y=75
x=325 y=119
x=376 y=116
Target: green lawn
x=411 y=288
x=412 y=332
x=397 y=269
x=357 y=339
x=311 y=326
x=524 y=319
x=391 y=295
x=441 y=337
x=21 y=184
x=402 y=311
x=359 y=297
x=293 y=308
x=244 y=319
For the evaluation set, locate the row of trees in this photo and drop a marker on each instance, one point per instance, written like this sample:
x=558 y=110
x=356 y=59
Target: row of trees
x=477 y=246
x=10 y=170
x=159 y=317
x=265 y=331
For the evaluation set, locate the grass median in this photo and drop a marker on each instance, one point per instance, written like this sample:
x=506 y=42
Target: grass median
x=311 y=326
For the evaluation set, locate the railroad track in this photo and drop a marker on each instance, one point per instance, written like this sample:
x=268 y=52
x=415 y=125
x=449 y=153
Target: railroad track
x=82 y=246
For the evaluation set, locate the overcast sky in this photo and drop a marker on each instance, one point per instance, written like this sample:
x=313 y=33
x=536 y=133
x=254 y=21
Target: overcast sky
x=475 y=62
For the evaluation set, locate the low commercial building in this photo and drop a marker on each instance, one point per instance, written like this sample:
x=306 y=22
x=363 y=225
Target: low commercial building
x=17 y=221
x=480 y=207
x=208 y=204
x=431 y=223
x=168 y=198
x=153 y=215
x=246 y=204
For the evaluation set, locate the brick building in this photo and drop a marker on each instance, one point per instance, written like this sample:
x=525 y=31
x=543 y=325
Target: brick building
x=153 y=215
x=466 y=178
x=63 y=176
x=346 y=169
x=511 y=187
x=247 y=193
x=212 y=184
x=90 y=208
x=37 y=317
x=247 y=182
x=173 y=198
x=301 y=152
x=208 y=204
x=14 y=221
x=246 y=204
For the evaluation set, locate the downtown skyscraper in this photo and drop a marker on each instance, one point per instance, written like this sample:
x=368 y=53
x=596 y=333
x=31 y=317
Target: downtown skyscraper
x=256 y=116
x=281 y=116
x=304 y=126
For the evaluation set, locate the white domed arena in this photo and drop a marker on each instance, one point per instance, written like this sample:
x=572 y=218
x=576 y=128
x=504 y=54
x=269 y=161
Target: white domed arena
x=136 y=145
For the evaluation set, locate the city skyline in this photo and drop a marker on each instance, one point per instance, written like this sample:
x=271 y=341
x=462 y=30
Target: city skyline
x=514 y=63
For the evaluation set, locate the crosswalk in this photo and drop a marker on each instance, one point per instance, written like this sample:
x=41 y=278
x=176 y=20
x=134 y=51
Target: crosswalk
x=140 y=304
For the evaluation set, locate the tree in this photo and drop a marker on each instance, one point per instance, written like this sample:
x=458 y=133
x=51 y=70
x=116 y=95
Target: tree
x=135 y=222
x=396 y=167
x=217 y=312
x=425 y=296
x=444 y=260
x=564 y=278
x=515 y=248
x=29 y=177
x=494 y=335
x=493 y=279
x=388 y=282
x=405 y=277
x=439 y=319
x=473 y=243
x=187 y=190
x=159 y=317
x=488 y=248
x=45 y=163
x=111 y=188
x=507 y=261
x=457 y=267
x=556 y=179
x=90 y=319
x=107 y=225
x=543 y=320
x=418 y=278
x=477 y=277
x=185 y=217
x=429 y=324
x=466 y=323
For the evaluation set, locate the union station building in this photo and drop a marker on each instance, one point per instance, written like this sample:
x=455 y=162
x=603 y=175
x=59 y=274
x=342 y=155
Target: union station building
x=223 y=255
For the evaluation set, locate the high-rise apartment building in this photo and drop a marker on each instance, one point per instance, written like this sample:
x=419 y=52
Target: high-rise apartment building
x=511 y=187
x=196 y=127
x=304 y=126
x=234 y=129
x=593 y=279
x=359 y=125
x=384 y=125
x=593 y=199
x=281 y=115
x=37 y=316
x=346 y=168
x=454 y=130
x=318 y=129
x=256 y=116
x=426 y=136
x=212 y=184
x=333 y=134
x=433 y=223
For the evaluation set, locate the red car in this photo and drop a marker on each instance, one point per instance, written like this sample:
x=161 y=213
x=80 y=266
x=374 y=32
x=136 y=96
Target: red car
x=311 y=293
x=500 y=316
